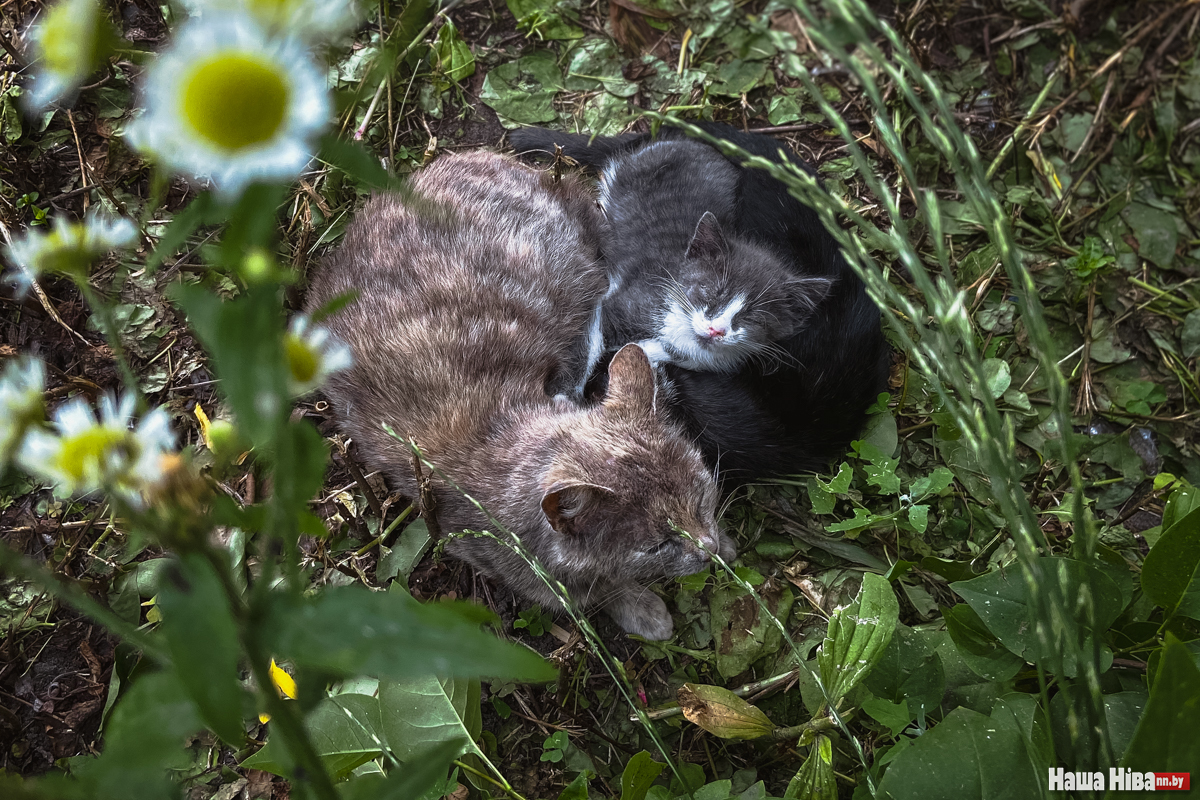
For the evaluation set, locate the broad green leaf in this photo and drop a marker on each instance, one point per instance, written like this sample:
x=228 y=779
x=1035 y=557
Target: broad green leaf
x=742 y=632
x=639 y=774
x=203 y=640
x=1171 y=571
x=978 y=646
x=1190 y=335
x=895 y=716
x=419 y=713
x=412 y=780
x=1002 y=601
x=996 y=376
x=966 y=756
x=1155 y=231
x=857 y=637
x=1182 y=502
x=398 y=562
x=1122 y=710
x=918 y=517
x=144 y=738
x=595 y=64
x=576 y=789
x=722 y=713
x=351 y=630
x=522 y=92
x=454 y=58
x=815 y=780
x=934 y=483
x=908 y=669
x=346 y=732
x=1167 y=737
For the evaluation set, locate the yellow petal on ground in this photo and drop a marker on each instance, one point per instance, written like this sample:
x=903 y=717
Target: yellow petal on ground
x=285 y=683
x=202 y=418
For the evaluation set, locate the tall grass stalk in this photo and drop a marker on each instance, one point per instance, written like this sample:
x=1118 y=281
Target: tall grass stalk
x=939 y=335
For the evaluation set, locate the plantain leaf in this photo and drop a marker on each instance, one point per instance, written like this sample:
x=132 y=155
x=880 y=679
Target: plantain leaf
x=722 y=713
x=857 y=636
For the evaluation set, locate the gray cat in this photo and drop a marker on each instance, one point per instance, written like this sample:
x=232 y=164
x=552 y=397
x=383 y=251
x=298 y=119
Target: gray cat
x=475 y=295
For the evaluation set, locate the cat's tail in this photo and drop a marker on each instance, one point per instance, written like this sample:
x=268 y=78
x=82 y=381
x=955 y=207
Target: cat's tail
x=589 y=151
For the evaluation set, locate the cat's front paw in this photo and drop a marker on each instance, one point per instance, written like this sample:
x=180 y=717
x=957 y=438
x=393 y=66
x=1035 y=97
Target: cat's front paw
x=642 y=612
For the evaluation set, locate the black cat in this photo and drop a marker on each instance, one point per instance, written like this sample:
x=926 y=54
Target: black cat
x=785 y=414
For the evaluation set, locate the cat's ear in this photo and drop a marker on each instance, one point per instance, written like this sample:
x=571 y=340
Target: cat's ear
x=805 y=294
x=565 y=502
x=631 y=385
x=709 y=240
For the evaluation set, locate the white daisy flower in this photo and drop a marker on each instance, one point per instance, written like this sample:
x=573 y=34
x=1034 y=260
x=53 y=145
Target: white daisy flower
x=84 y=454
x=21 y=388
x=69 y=247
x=310 y=20
x=70 y=40
x=229 y=104
x=312 y=355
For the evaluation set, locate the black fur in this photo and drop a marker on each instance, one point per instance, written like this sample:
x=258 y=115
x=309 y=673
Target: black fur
x=760 y=422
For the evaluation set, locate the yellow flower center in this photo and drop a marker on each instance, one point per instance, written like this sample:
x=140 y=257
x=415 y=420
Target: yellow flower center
x=235 y=101
x=91 y=449
x=302 y=360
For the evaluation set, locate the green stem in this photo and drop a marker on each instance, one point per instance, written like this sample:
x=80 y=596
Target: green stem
x=816 y=726
x=1037 y=104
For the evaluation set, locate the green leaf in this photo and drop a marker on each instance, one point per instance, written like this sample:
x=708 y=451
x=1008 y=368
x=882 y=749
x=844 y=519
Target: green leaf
x=358 y=162
x=398 y=562
x=522 y=92
x=742 y=632
x=578 y=788
x=932 y=484
x=815 y=779
x=908 y=670
x=1171 y=571
x=978 y=646
x=245 y=338
x=413 y=780
x=996 y=376
x=639 y=774
x=1155 y=231
x=1190 y=335
x=418 y=713
x=1167 y=737
x=1002 y=601
x=346 y=732
x=144 y=739
x=596 y=64
x=545 y=19
x=918 y=517
x=202 y=637
x=894 y=716
x=722 y=713
x=966 y=756
x=857 y=636
x=452 y=55
x=351 y=630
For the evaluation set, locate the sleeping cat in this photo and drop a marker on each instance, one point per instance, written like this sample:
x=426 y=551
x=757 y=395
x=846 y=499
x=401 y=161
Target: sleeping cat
x=473 y=294
x=685 y=290
x=801 y=406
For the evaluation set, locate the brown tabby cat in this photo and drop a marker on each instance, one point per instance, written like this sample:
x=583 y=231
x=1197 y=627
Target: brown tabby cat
x=475 y=295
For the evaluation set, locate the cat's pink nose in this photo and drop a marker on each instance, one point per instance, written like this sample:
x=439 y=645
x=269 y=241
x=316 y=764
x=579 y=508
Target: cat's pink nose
x=714 y=332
